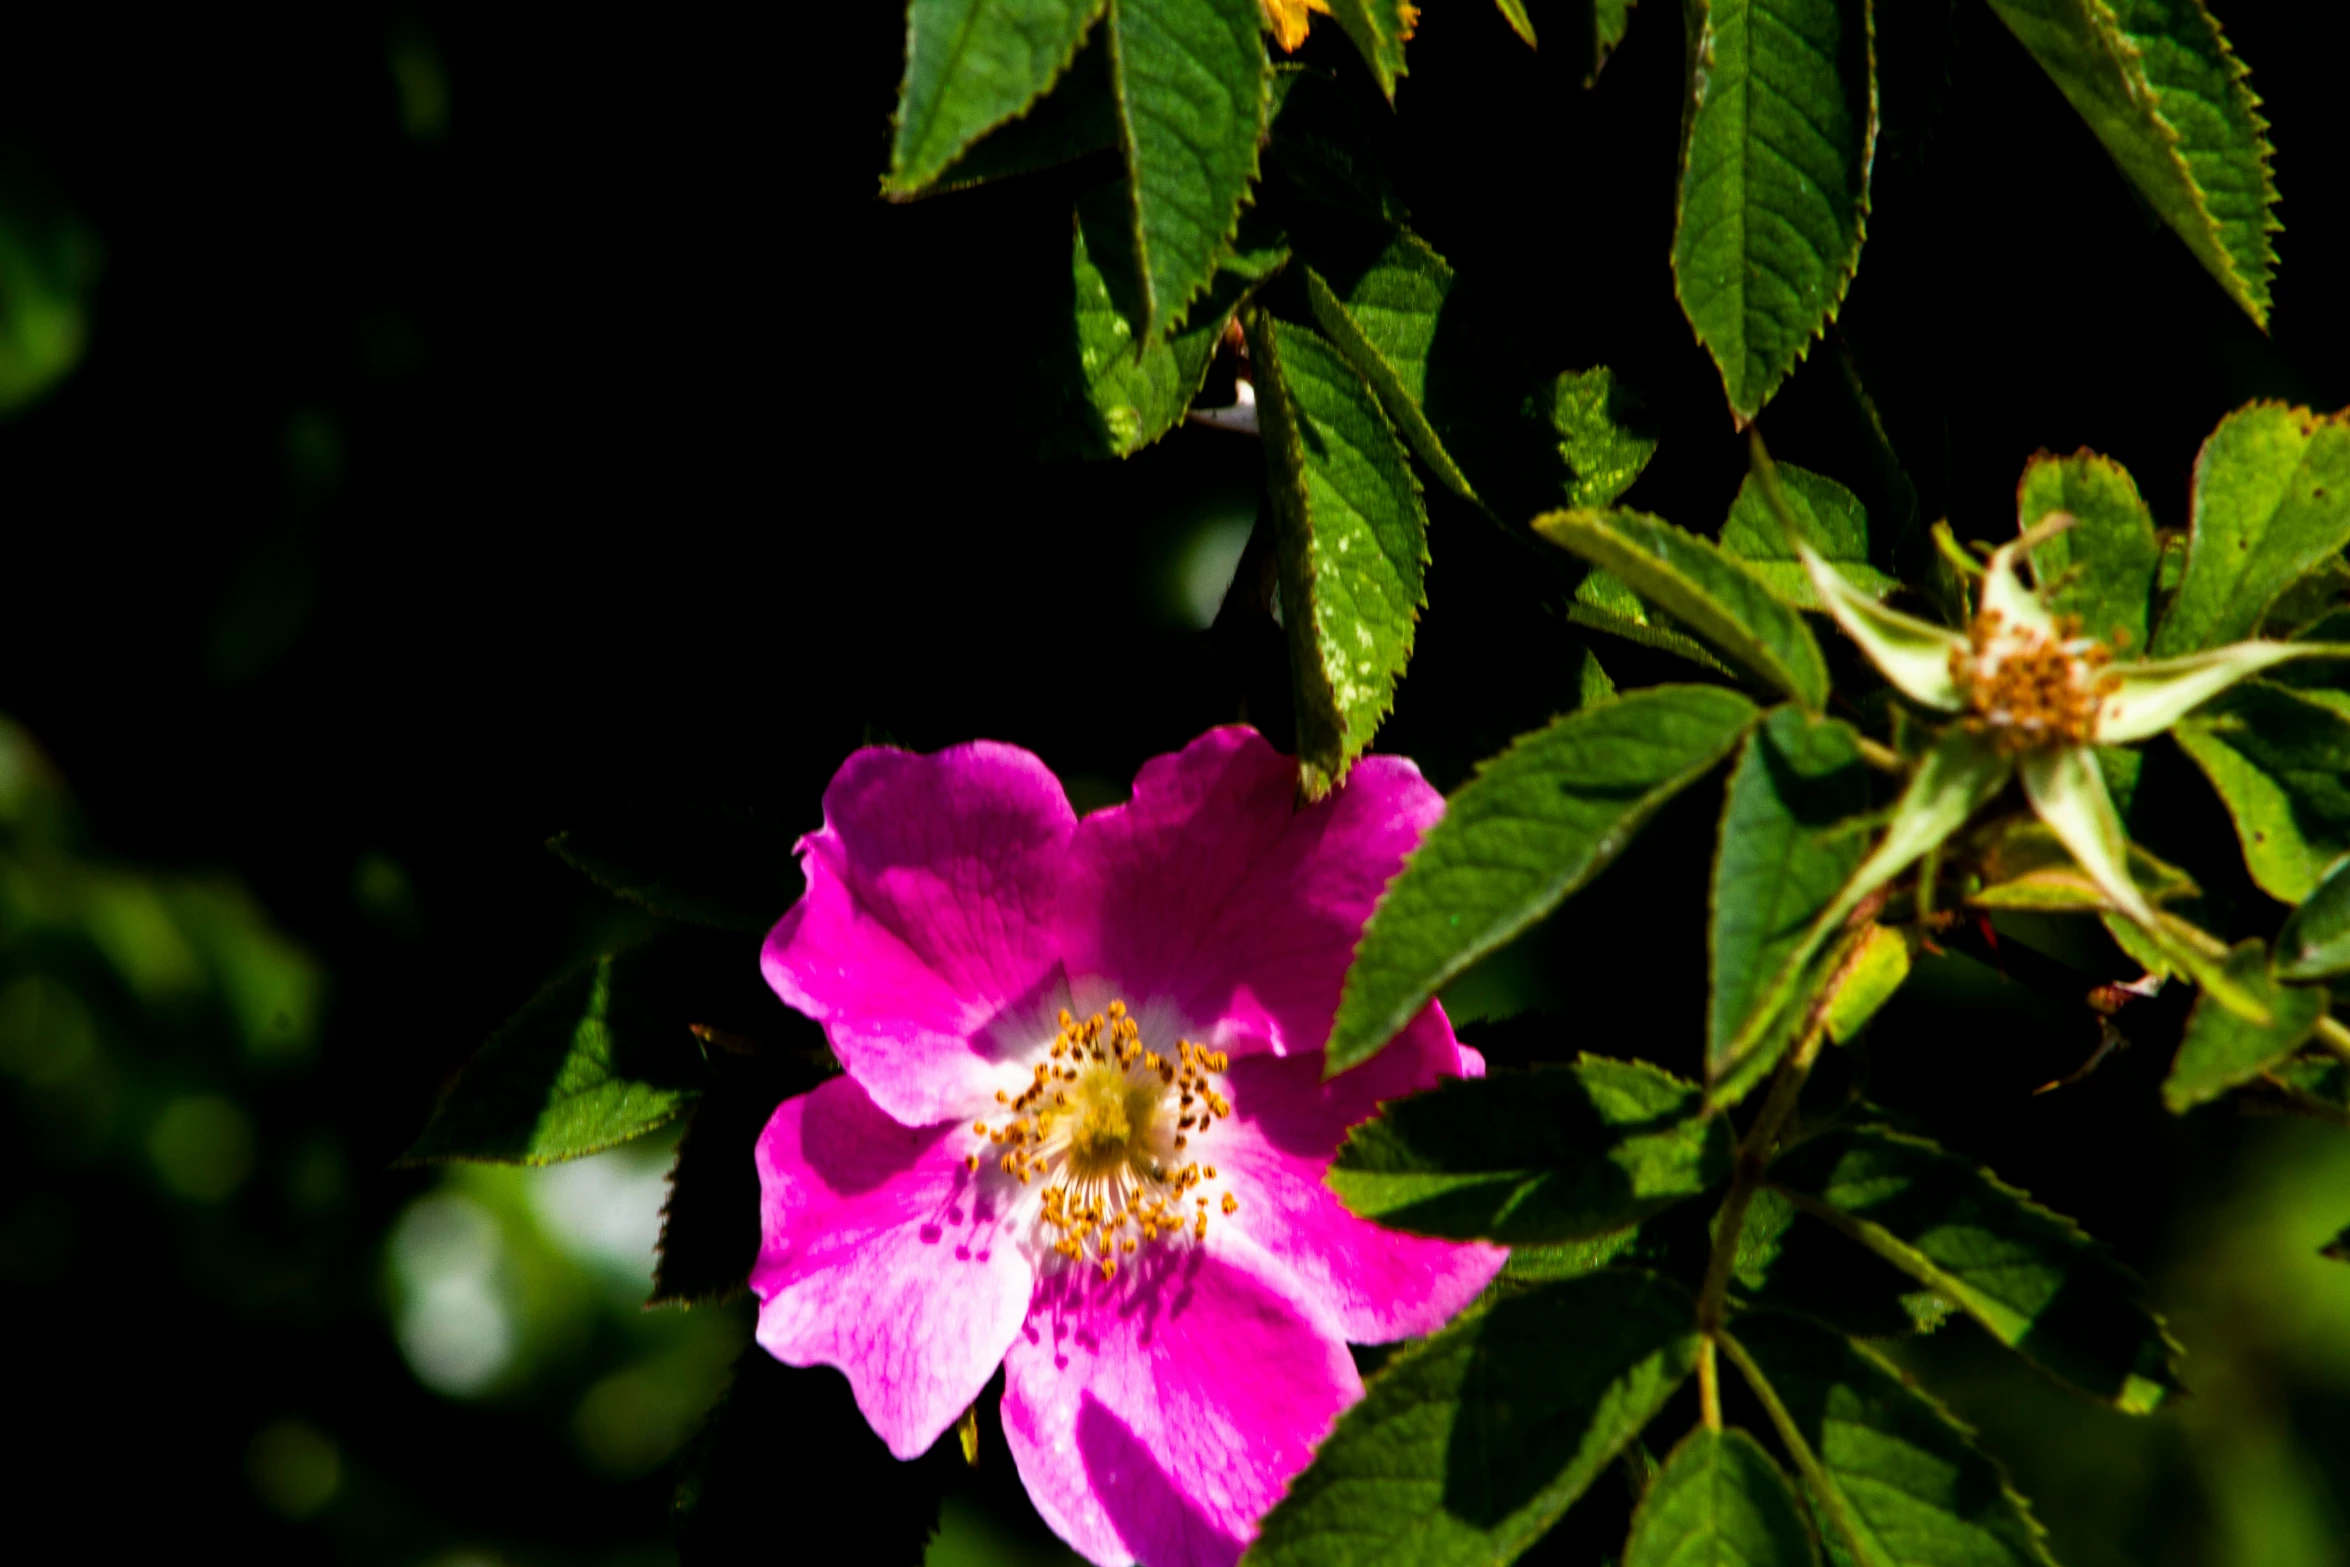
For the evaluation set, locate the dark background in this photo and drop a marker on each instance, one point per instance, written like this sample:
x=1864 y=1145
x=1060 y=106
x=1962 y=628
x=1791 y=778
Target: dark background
x=491 y=419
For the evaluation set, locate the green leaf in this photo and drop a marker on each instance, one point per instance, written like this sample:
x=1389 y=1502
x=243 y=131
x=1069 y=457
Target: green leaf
x=1077 y=119
x=598 y=1057
x=1193 y=89
x=1535 y=824
x=1470 y=1444
x=1351 y=540
x=2029 y=1276
x=1778 y=131
x=1790 y=1261
x=1592 y=685
x=1895 y=1478
x=2223 y=1049
x=1604 y=435
x=1827 y=516
x=1719 y=1501
x=2315 y=943
x=1875 y=971
x=2027 y=867
x=2102 y=568
x=704 y=865
x=970 y=66
x=1713 y=595
x=1603 y=603
x=1379 y=28
x=2158 y=84
x=1528 y=1158
x=1382 y=312
x=1514 y=11
x=2281 y=764
x=1123 y=394
x=2272 y=503
x=1788 y=845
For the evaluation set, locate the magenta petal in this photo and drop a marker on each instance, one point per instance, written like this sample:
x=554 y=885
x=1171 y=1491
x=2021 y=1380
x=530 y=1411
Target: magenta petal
x=1159 y=1418
x=880 y=1253
x=1210 y=889
x=924 y=943
x=1377 y=1284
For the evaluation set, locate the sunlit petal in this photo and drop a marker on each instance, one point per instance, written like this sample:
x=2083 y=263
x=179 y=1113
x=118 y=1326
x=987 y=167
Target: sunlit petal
x=1913 y=654
x=2153 y=694
x=2068 y=793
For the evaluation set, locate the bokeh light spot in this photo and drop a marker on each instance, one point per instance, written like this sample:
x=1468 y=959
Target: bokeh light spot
x=295 y=1467
x=453 y=1324
x=202 y=1147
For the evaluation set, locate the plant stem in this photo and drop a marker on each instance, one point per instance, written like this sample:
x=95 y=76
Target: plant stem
x=2334 y=1036
x=1709 y=1385
x=1754 y=1153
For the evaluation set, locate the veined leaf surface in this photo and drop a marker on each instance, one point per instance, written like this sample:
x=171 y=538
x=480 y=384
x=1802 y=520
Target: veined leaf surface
x=1719 y=1501
x=970 y=66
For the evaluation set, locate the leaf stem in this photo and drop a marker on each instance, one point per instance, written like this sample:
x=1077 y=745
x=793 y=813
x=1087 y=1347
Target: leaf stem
x=1754 y=1153
x=1709 y=1385
x=2333 y=1035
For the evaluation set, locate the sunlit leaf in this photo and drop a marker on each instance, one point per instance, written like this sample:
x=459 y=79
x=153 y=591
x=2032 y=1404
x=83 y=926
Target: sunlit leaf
x=1878 y=969
x=1788 y=845
x=1602 y=434
x=2102 y=568
x=2151 y=695
x=2222 y=1050
x=2272 y=502
x=1470 y=1444
x=1895 y=1479
x=1351 y=538
x=1077 y=119
x=1536 y=823
x=1713 y=595
x=1382 y=312
x=1602 y=602
x=1827 y=516
x=2315 y=943
x=2158 y=84
x=1778 y=132
x=2030 y=1277
x=602 y=1055
x=970 y=66
x=2281 y=764
x=1528 y=1158
x=1719 y=1501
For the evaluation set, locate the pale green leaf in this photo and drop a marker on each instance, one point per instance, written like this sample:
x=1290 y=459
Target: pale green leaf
x=970 y=66
x=2315 y=943
x=1779 y=128
x=602 y=1055
x=1351 y=539
x=2159 y=86
x=1537 y=822
x=2272 y=503
x=1719 y=1501
x=1470 y=1444
x=2102 y=568
x=2281 y=764
x=1713 y=595
x=1788 y=844
x=1875 y=971
x=1895 y=1479
x=2068 y=795
x=2151 y=695
x=2030 y=1277
x=2222 y=1050
x=1592 y=685
x=1826 y=516
x=1911 y=653
x=1193 y=89
x=1532 y=1158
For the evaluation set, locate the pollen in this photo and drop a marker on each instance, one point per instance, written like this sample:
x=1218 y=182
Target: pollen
x=1102 y=1128
x=2028 y=691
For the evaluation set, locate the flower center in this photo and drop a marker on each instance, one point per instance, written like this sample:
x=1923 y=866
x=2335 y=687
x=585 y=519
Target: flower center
x=1104 y=1129
x=2027 y=690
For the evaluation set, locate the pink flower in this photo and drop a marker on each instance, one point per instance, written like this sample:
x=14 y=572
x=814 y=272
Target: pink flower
x=1083 y=1127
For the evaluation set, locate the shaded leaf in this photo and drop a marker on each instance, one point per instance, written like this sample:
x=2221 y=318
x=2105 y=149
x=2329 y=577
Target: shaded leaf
x=705 y=865
x=2102 y=568
x=1778 y=131
x=1380 y=29
x=2026 y=867
x=1321 y=149
x=1895 y=1478
x=710 y=1218
x=2281 y=764
x=1788 y=844
x=2223 y=1049
x=970 y=66
x=1713 y=595
x=1790 y=1261
x=1719 y=1501
x=2029 y=1276
x=1555 y=1154
x=1470 y=1444
x=602 y=1055
x=1193 y=94
x=1827 y=516
x=2315 y=943
x=2338 y=1248
x=1351 y=541
x=2158 y=84
x=1536 y=823
x=2272 y=502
